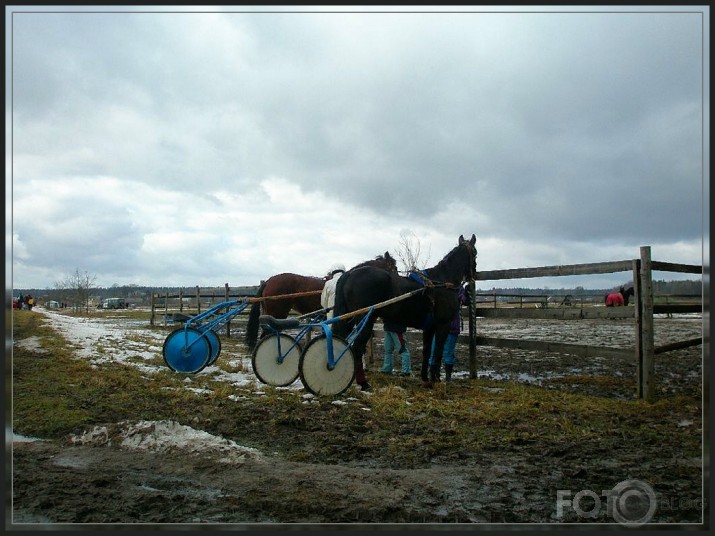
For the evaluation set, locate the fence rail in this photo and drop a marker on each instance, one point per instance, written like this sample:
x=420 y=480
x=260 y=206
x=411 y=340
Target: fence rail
x=179 y=305
x=642 y=311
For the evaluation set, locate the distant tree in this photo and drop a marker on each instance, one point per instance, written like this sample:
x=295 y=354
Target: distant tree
x=409 y=252
x=683 y=287
x=76 y=288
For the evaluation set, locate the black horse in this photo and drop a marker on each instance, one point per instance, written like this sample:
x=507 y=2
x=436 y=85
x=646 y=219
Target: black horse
x=619 y=298
x=430 y=311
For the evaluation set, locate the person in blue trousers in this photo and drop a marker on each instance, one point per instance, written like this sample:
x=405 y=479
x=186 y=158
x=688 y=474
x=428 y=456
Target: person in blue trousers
x=451 y=343
x=396 y=339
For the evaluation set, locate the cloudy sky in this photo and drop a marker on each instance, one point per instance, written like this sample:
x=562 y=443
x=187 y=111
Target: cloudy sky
x=157 y=146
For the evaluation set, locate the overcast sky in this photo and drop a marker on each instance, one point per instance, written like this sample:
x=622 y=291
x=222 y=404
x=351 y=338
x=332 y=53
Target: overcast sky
x=185 y=148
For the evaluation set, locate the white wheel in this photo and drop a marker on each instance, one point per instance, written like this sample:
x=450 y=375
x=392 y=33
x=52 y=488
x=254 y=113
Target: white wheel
x=266 y=364
x=314 y=372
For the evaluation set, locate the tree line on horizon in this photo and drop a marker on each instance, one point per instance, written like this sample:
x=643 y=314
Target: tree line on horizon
x=80 y=288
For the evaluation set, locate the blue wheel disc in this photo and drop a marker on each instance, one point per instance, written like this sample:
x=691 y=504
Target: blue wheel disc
x=215 y=345
x=186 y=350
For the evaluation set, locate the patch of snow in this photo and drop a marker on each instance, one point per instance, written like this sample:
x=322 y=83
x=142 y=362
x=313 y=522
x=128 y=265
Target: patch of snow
x=164 y=436
x=19 y=438
x=31 y=343
x=104 y=340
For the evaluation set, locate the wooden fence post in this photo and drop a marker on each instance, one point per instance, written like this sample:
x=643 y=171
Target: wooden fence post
x=225 y=298
x=151 y=320
x=638 y=306
x=166 y=307
x=472 y=309
x=647 y=336
x=198 y=300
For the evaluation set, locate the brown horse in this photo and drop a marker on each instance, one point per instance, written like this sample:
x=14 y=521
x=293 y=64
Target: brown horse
x=289 y=283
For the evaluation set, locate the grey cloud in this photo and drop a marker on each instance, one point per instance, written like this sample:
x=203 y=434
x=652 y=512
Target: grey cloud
x=557 y=127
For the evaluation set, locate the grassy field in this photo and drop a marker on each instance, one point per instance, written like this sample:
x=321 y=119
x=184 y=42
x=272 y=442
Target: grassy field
x=55 y=394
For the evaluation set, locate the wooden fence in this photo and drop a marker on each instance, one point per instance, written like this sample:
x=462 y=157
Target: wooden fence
x=179 y=306
x=642 y=311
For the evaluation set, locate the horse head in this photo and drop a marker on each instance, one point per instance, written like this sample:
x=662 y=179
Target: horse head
x=471 y=248
x=626 y=293
x=458 y=265
x=388 y=262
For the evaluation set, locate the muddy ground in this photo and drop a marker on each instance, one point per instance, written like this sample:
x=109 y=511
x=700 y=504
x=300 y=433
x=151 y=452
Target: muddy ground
x=141 y=475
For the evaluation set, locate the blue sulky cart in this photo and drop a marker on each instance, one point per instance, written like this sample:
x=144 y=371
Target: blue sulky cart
x=196 y=345
x=325 y=364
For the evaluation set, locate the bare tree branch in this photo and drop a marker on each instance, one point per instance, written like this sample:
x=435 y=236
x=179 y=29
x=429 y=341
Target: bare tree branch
x=409 y=252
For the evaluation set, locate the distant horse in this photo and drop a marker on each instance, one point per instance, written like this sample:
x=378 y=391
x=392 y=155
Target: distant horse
x=431 y=311
x=289 y=283
x=615 y=299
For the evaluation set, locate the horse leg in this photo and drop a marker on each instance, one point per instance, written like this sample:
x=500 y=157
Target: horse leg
x=358 y=348
x=427 y=335
x=440 y=338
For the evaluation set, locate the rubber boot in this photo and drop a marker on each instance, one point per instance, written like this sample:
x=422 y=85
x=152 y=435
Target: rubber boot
x=448 y=372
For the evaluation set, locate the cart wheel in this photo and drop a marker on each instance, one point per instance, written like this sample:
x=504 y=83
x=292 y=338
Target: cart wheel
x=265 y=361
x=215 y=345
x=186 y=350
x=314 y=371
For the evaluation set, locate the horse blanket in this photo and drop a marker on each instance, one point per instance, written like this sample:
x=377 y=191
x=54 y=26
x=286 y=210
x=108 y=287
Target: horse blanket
x=614 y=299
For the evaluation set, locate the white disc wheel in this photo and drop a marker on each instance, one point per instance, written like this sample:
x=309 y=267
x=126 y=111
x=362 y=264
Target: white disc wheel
x=315 y=374
x=268 y=365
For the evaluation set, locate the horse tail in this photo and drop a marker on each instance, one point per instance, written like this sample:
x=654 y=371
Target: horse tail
x=252 y=325
x=340 y=306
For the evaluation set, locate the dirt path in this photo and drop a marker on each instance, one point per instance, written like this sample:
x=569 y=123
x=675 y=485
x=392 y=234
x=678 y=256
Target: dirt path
x=96 y=483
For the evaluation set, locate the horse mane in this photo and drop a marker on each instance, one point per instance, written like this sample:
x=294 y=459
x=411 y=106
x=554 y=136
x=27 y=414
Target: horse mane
x=380 y=260
x=440 y=266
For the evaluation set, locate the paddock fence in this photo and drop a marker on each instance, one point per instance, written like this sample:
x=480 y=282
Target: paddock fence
x=173 y=308
x=642 y=311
